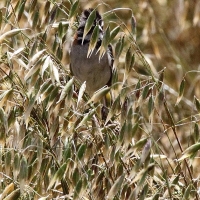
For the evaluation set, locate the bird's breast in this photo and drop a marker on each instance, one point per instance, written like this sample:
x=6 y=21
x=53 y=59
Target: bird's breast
x=96 y=72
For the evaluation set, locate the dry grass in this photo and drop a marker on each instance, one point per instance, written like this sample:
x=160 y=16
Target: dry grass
x=55 y=145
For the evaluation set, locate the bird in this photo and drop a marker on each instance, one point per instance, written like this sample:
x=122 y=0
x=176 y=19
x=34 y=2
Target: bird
x=95 y=71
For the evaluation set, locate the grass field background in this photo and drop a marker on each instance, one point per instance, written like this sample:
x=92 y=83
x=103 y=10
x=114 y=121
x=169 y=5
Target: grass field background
x=53 y=141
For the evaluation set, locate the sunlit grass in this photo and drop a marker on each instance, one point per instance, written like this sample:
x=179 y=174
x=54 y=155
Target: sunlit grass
x=53 y=141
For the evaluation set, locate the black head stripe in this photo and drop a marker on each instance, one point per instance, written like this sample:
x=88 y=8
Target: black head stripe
x=83 y=18
x=85 y=14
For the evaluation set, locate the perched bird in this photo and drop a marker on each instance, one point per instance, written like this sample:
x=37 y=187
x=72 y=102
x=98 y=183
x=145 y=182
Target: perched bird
x=97 y=72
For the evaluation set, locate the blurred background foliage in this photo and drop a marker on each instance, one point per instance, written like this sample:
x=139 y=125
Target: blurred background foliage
x=55 y=145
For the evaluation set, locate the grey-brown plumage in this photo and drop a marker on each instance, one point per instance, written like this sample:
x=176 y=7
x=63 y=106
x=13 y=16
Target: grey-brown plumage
x=96 y=72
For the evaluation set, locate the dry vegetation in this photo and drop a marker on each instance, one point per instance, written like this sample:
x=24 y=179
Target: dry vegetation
x=53 y=141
